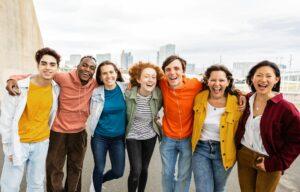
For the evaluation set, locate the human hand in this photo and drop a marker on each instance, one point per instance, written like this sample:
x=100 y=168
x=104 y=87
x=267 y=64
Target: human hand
x=260 y=163
x=12 y=87
x=242 y=103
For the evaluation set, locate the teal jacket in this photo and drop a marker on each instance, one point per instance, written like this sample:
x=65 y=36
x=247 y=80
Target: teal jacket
x=155 y=106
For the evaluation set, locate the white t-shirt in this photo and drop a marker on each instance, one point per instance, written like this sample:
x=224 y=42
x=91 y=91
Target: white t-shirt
x=211 y=129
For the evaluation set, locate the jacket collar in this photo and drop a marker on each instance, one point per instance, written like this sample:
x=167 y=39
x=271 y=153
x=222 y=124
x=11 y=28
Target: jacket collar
x=100 y=90
x=277 y=98
x=134 y=91
x=230 y=101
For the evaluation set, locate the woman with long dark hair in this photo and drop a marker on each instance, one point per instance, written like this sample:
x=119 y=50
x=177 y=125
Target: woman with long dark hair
x=107 y=123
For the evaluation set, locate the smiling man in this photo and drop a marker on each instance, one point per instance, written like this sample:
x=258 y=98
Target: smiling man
x=178 y=98
x=25 y=125
x=68 y=137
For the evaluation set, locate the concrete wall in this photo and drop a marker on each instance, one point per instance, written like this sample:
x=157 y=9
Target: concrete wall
x=20 y=37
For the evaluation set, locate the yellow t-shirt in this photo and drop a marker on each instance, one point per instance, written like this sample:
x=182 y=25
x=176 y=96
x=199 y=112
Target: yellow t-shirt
x=33 y=124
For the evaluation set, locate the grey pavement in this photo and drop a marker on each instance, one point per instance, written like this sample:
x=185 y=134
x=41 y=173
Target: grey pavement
x=288 y=183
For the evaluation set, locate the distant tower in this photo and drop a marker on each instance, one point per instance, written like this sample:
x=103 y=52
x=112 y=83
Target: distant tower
x=164 y=52
x=126 y=60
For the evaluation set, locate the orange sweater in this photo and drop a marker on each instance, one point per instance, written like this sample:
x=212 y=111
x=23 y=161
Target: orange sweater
x=178 y=108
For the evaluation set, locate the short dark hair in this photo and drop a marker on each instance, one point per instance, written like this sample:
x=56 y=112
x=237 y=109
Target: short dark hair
x=98 y=72
x=263 y=64
x=230 y=87
x=172 y=58
x=89 y=57
x=46 y=51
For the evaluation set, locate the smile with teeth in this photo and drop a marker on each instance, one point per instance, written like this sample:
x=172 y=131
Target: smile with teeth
x=262 y=85
x=172 y=78
x=149 y=85
x=110 y=80
x=216 y=89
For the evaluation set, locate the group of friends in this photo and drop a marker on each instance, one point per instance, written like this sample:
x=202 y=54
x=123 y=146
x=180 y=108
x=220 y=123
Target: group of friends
x=206 y=126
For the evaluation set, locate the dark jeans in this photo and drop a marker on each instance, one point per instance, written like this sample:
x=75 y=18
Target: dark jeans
x=116 y=148
x=62 y=145
x=139 y=154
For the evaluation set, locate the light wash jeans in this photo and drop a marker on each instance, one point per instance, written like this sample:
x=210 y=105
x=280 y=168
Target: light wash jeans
x=208 y=169
x=34 y=158
x=170 y=151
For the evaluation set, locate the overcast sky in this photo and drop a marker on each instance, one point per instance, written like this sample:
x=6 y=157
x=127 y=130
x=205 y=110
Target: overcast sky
x=204 y=31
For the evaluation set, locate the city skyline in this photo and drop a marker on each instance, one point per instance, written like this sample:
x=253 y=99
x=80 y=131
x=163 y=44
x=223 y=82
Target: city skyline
x=204 y=32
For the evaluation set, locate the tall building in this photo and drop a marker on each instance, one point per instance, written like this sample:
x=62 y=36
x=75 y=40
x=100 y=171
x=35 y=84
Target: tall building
x=164 y=52
x=103 y=57
x=74 y=60
x=126 y=60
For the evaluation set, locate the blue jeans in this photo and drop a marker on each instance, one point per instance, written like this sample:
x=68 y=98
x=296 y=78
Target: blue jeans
x=170 y=150
x=34 y=159
x=116 y=148
x=208 y=169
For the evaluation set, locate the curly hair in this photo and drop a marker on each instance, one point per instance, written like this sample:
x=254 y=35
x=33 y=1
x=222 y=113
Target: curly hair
x=136 y=70
x=230 y=88
x=46 y=51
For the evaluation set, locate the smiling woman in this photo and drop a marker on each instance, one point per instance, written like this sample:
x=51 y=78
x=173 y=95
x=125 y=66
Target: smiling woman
x=215 y=122
x=269 y=131
x=107 y=123
x=143 y=101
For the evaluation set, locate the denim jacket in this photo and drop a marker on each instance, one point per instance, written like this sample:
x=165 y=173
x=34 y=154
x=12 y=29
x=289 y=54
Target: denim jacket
x=12 y=109
x=155 y=106
x=97 y=104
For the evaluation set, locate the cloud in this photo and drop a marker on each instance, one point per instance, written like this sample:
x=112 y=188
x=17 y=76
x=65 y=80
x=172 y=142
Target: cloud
x=201 y=30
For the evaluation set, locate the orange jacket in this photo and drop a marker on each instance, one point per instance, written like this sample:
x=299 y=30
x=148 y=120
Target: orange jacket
x=178 y=108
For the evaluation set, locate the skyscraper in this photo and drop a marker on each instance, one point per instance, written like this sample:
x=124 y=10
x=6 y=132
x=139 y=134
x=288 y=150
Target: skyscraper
x=103 y=57
x=126 y=60
x=164 y=52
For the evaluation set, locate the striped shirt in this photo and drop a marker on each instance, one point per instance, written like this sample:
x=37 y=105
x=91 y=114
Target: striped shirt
x=142 y=126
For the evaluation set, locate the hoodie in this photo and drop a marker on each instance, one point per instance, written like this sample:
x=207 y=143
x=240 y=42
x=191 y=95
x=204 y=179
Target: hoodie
x=74 y=103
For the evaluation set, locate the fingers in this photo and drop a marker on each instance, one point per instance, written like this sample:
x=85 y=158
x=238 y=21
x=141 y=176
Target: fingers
x=12 y=87
x=242 y=103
